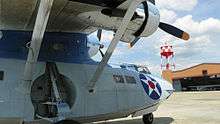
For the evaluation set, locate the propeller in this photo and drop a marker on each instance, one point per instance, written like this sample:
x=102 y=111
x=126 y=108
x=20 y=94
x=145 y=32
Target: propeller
x=170 y=30
x=174 y=31
x=99 y=35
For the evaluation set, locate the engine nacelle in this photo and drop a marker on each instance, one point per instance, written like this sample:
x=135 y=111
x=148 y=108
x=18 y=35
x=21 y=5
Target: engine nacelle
x=147 y=26
x=153 y=20
x=143 y=24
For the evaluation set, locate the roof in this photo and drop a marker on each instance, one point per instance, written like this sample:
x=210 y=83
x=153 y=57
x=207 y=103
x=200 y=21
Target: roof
x=198 y=71
x=197 y=66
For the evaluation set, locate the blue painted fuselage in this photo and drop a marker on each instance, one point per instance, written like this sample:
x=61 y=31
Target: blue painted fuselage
x=56 y=47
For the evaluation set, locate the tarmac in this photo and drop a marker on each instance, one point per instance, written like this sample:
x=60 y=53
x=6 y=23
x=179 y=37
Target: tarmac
x=184 y=108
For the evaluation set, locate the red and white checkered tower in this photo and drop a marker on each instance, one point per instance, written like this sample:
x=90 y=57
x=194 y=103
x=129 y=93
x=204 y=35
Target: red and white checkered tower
x=167 y=55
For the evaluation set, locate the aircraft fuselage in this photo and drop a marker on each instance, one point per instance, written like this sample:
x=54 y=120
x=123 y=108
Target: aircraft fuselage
x=118 y=93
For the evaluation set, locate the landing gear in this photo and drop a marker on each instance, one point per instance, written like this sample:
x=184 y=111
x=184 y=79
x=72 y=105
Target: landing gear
x=67 y=122
x=148 y=118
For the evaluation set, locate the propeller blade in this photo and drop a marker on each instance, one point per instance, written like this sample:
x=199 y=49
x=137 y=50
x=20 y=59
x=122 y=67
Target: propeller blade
x=174 y=31
x=99 y=34
x=102 y=54
x=101 y=46
x=134 y=42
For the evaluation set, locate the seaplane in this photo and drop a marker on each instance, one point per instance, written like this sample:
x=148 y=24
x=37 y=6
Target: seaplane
x=46 y=70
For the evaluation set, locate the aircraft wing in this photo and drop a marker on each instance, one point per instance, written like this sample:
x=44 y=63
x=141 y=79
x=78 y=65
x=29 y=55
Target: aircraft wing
x=21 y=14
x=124 y=5
x=103 y=3
x=64 y=16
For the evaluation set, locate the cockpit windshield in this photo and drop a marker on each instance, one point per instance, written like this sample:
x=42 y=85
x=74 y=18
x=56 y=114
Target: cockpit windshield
x=143 y=69
x=138 y=68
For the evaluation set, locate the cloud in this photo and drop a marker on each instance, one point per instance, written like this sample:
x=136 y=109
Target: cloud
x=196 y=46
x=167 y=15
x=183 y=5
x=202 y=47
x=199 y=30
x=198 y=27
x=107 y=36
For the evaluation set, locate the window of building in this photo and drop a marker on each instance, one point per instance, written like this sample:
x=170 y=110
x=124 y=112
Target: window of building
x=130 y=80
x=118 y=78
x=204 y=72
x=1 y=75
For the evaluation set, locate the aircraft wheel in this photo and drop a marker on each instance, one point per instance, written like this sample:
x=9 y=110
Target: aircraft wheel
x=67 y=122
x=148 y=119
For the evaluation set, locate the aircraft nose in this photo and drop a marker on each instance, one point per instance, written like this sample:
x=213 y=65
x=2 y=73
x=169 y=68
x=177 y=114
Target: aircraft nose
x=167 y=90
x=166 y=87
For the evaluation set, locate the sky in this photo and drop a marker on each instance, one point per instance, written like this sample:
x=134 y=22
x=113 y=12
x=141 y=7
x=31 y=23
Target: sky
x=200 y=18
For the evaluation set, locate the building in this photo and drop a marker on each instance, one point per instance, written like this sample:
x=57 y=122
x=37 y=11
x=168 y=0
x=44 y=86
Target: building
x=204 y=76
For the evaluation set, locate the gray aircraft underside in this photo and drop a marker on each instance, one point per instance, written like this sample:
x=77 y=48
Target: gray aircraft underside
x=21 y=15
x=74 y=16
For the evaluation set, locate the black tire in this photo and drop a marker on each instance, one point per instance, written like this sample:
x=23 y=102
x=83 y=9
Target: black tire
x=148 y=119
x=67 y=122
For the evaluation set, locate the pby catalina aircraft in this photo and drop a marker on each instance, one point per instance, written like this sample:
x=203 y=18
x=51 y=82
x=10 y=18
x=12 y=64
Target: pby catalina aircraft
x=46 y=70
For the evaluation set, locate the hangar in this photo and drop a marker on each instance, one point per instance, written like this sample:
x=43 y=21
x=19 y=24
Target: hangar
x=200 y=77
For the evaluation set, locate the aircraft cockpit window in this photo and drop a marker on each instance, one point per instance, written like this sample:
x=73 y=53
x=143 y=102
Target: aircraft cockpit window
x=130 y=80
x=1 y=75
x=144 y=70
x=118 y=78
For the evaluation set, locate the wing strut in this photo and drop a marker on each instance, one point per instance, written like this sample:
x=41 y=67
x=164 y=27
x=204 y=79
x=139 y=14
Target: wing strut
x=37 y=38
x=121 y=30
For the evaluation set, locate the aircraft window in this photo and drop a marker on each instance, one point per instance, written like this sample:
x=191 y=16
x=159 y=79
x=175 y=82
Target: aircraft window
x=130 y=80
x=1 y=75
x=118 y=78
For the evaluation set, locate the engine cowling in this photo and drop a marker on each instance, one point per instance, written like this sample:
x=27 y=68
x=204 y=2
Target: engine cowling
x=147 y=26
x=143 y=24
x=153 y=20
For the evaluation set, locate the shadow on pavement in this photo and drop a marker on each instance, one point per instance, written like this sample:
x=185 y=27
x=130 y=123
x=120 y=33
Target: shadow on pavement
x=158 y=120
x=163 y=120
